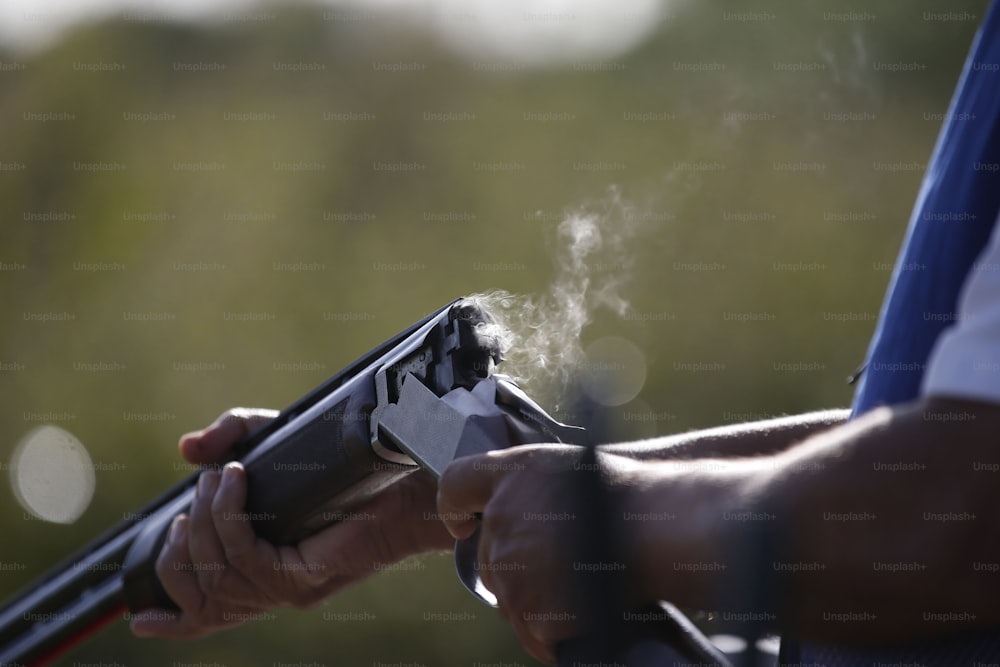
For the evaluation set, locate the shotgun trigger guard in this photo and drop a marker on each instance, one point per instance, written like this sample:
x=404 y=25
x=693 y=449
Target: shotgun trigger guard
x=467 y=569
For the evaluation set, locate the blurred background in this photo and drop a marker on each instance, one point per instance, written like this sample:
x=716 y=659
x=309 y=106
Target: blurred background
x=223 y=204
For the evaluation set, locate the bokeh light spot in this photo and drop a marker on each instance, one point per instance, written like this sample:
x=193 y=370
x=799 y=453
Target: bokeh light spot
x=614 y=371
x=52 y=475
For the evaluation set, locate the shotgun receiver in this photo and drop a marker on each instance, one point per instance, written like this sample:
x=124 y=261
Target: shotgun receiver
x=421 y=399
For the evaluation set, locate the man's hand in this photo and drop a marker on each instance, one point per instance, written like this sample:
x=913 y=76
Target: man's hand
x=221 y=574
x=526 y=496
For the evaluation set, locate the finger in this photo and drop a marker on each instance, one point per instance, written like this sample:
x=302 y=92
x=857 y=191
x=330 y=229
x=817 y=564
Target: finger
x=211 y=444
x=280 y=575
x=464 y=489
x=175 y=569
x=537 y=649
x=256 y=559
x=524 y=623
x=217 y=580
x=497 y=575
x=154 y=623
x=176 y=573
x=165 y=625
x=204 y=545
x=534 y=647
x=235 y=532
x=533 y=626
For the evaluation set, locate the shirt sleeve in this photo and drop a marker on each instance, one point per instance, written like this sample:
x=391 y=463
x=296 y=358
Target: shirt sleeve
x=965 y=361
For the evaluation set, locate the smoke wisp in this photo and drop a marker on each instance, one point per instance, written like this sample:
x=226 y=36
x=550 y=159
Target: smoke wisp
x=541 y=332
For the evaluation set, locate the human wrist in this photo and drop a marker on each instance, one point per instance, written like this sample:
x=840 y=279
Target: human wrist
x=675 y=534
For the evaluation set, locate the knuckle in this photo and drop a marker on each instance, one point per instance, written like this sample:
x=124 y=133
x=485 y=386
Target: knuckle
x=239 y=557
x=236 y=416
x=212 y=580
x=241 y=415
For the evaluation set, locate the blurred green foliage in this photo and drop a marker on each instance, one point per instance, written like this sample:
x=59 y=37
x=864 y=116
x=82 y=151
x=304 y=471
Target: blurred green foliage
x=754 y=285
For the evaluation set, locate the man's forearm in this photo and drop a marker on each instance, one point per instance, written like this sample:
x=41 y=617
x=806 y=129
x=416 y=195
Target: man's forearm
x=867 y=533
x=900 y=509
x=758 y=438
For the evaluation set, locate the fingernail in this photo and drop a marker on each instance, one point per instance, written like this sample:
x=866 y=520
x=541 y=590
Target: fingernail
x=230 y=472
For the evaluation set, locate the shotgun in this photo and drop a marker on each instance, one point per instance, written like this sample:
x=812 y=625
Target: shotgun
x=424 y=397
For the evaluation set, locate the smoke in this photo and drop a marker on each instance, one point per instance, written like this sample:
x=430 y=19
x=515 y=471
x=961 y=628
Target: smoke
x=593 y=264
